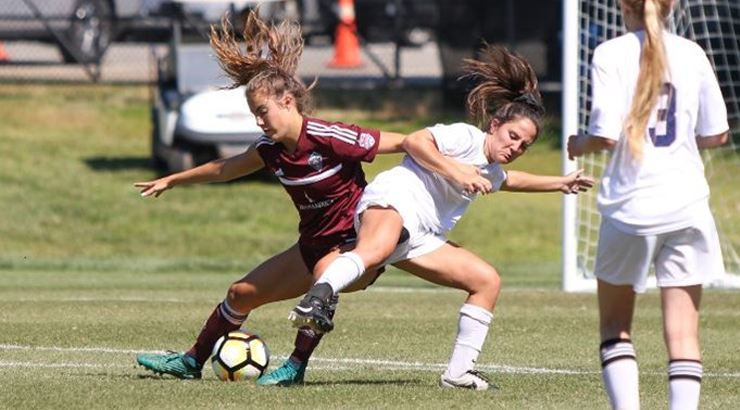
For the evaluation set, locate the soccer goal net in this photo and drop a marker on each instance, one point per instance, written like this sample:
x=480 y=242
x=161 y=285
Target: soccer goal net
x=713 y=24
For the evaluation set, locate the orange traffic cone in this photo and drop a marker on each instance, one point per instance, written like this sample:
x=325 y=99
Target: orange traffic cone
x=346 y=44
x=3 y=54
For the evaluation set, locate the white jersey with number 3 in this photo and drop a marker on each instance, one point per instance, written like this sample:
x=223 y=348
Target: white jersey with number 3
x=661 y=192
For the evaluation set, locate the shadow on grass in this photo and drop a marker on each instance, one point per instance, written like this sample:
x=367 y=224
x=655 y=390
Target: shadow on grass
x=359 y=382
x=119 y=164
x=352 y=382
x=111 y=164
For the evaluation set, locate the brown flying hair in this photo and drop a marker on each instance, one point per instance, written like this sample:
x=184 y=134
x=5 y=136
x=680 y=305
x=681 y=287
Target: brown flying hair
x=268 y=63
x=506 y=88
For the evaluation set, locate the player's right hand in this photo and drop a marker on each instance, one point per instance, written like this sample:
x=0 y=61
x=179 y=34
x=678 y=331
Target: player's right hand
x=469 y=178
x=575 y=148
x=155 y=187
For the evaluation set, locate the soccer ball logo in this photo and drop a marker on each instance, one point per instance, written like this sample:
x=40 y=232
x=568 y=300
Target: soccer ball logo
x=239 y=356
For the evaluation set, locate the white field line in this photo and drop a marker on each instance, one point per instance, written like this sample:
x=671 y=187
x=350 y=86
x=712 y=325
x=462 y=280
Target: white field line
x=61 y=365
x=333 y=364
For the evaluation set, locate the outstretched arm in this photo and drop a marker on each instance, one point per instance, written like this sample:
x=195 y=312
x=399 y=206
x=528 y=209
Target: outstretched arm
x=579 y=145
x=421 y=146
x=219 y=170
x=573 y=183
x=390 y=142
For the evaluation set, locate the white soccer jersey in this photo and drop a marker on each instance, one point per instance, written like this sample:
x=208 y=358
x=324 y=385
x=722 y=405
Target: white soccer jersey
x=437 y=203
x=659 y=193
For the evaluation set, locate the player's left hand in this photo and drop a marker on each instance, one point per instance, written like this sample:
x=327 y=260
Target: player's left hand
x=576 y=182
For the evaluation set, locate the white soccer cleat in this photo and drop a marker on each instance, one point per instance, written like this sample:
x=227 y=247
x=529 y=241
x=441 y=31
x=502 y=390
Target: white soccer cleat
x=472 y=380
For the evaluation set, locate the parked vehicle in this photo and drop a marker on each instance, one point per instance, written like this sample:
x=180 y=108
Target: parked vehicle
x=83 y=29
x=193 y=120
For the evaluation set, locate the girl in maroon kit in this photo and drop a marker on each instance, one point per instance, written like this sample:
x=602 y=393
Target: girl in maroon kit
x=319 y=165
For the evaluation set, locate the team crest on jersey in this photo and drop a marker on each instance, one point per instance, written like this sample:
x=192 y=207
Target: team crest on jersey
x=366 y=140
x=315 y=161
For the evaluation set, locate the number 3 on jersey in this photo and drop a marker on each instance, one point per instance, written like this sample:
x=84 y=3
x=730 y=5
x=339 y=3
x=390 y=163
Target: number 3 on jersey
x=663 y=133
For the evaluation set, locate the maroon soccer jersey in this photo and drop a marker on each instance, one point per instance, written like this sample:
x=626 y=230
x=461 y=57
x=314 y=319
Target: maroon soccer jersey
x=324 y=175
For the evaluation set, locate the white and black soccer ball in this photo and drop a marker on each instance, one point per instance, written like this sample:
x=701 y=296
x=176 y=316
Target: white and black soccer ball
x=240 y=356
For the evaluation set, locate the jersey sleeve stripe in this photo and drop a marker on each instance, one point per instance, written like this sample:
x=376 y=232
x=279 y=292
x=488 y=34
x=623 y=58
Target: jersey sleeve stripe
x=323 y=130
x=333 y=135
x=336 y=128
x=312 y=179
x=264 y=140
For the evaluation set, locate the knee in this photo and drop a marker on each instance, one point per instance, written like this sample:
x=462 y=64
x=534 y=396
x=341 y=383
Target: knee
x=486 y=281
x=373 y=255
x=240 y=294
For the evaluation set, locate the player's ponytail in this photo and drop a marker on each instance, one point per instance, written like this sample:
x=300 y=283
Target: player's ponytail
x=653 y=71
x=506 y=88
x=269 y=60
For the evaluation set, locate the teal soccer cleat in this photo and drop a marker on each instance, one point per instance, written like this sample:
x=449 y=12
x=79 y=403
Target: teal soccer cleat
x=289 y=374
x=176 y=364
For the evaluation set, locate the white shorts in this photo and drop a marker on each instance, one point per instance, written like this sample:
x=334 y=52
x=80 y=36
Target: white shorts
x=686 y=257
x=387 y=194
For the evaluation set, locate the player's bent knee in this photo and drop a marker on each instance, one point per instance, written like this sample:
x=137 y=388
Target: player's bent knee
x=374 y=255
x=240 y=295
x=485 y=281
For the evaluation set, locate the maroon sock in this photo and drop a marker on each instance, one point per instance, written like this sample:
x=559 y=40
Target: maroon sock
x=222 y=321
x=306 y=340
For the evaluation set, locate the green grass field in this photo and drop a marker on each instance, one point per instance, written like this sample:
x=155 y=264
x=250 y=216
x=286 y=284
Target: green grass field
x=92 y=274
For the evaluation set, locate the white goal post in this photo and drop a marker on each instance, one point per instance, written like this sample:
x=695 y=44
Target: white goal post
x=713 y=24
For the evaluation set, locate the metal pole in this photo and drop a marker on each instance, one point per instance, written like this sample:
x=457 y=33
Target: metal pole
x=569 y=126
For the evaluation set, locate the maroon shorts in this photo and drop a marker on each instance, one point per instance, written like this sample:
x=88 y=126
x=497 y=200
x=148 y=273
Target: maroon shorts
x=313 y=249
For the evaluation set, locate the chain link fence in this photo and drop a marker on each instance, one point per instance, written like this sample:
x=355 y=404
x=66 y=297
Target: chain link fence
x=401 y=41
x=119 y=41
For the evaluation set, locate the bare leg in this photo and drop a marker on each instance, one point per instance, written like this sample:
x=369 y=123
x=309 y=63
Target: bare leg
x=456 y=267
x=618 y=360
x=681 y=332
x=306 y=339
x=376 y=240
x=283 y=276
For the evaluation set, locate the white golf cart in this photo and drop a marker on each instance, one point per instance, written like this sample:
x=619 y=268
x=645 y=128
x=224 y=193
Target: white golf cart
x=194 y=119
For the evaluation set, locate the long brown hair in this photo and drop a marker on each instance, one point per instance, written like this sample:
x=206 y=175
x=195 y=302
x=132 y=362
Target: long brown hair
x=653 y=70
x=506 y=89
x=268 y=62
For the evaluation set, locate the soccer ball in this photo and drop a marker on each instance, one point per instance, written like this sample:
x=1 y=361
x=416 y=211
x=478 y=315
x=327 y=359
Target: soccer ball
x=239 y=356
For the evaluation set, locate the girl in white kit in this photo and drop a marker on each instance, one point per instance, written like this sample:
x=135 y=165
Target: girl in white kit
x=421 y=199
x=656 y=102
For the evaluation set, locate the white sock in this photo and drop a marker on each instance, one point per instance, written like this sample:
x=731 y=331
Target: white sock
x=684 y=384
x=619 y=370
x=345 y=269
x=472 y=328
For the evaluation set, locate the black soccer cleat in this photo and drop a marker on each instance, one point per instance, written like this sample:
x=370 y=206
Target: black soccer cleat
x=314 y=310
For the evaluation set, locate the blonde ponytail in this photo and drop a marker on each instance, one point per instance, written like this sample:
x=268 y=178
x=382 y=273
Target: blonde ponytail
x=653 y=72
